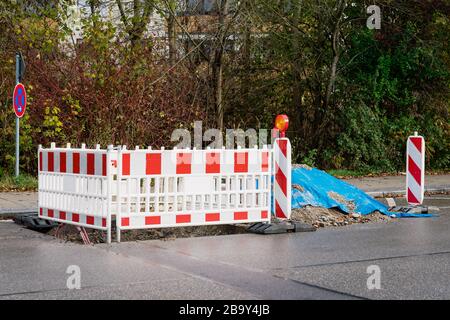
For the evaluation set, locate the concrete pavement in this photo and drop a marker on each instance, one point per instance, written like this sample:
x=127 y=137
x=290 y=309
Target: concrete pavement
x=11 y=202
x=378 y=186
x=413 y=256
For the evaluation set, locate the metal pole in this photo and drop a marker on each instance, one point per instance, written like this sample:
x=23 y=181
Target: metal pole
x=108 y=193
x=18 y=65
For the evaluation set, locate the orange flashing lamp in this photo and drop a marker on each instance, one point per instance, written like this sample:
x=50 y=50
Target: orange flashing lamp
x=282 y=124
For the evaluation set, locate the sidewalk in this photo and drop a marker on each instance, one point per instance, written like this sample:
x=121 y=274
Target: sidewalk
x=18 y=202
x=380 y=186
x=23 y=202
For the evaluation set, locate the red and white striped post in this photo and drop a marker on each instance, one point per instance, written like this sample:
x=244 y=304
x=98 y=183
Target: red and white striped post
x=282 y=171
x=415 y=169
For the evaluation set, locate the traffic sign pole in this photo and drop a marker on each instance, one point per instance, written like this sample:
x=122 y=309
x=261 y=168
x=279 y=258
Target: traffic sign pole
x=17 y=145
x=19 y=104
x=18 y=71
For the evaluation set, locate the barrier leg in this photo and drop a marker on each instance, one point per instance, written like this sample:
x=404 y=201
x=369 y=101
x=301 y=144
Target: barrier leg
x=84 y=235
x=108 y=235
x=108 y=194
x=119 y=193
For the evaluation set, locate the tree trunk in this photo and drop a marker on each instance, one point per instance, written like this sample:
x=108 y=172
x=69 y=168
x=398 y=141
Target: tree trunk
x=219 y=94
x=172 y=34
x=297 y=88
x=218 y=65
x=246 y=54
x=332 y=80
x=335 y=49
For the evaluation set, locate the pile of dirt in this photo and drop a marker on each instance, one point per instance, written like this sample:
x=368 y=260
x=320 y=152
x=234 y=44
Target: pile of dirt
x=321 y=217
x=339 y=198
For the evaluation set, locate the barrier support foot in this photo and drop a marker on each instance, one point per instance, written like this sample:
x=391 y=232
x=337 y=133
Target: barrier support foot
x=280 y=227
x=33 y=222
x=410 y=209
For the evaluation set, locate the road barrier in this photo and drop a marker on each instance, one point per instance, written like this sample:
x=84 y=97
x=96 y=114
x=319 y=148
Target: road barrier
x=415 y=169
x=74 y=186
x=282 y=185
x=145 y=188
x=168 y=188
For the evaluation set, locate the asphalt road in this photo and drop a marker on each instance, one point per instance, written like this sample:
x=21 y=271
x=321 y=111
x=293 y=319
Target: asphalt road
x=413 y=256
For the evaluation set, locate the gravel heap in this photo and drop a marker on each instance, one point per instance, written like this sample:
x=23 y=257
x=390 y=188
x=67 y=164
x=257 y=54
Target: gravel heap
x=321 y=217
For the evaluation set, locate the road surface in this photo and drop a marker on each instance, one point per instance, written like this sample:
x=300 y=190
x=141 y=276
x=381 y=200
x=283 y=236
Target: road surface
x=413 y=256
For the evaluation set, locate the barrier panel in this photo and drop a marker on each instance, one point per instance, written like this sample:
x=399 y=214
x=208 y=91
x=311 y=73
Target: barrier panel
x=147 y=188
x=282 y=189
x=74 y=186
x=415 y=169
x=168 y=188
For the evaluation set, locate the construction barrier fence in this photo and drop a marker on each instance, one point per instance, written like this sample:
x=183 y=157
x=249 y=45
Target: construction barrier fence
x=145 y=188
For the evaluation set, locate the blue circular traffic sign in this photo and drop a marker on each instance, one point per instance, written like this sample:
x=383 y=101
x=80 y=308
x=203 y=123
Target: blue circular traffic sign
x=19 y=100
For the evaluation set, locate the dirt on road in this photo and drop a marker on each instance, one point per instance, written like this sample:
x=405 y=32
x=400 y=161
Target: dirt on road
x=315 y=216
x=321 y=217
x=70 y=233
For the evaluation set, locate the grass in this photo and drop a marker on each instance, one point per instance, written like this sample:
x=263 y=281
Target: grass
x=345 y=173
x=23 y=182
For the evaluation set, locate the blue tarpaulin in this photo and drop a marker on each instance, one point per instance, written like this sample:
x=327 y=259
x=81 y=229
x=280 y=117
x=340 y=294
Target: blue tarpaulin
x=317 y=188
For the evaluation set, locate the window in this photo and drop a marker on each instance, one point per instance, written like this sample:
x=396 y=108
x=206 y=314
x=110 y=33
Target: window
x=201 y=7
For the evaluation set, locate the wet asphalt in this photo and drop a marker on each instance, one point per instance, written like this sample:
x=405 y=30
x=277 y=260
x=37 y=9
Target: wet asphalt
x=411 y=254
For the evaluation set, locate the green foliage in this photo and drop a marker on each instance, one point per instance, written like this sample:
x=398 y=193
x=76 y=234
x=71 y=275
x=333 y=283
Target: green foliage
x=339 y=173
x=310 y=158
x=52 y=126
x=23 y=182
x=362 y=143
x=119 y=86
x=406 y=91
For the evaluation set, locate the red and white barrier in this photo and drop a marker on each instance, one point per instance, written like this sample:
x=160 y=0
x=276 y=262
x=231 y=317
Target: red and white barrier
x=74 y=186
x=168 y=188
x=282 y=173
x=415 y=169
x=147 y=188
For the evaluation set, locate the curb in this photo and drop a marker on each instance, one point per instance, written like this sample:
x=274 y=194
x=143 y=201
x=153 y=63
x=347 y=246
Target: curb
x=383 y=194
x=12 y=212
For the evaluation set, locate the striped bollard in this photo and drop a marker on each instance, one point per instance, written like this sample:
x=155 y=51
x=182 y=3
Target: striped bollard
x=282 y=182
x=415 y=169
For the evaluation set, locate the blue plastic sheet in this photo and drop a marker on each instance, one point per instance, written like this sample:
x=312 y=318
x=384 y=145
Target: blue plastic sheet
x=317 y=188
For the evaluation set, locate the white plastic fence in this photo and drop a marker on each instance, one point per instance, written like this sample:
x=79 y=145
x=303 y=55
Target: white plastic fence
x=75 y=186
x=147 y=188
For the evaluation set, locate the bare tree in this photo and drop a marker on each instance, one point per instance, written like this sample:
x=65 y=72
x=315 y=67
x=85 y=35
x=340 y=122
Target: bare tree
x=135 y=17
x=217 y=64
x=335 y=38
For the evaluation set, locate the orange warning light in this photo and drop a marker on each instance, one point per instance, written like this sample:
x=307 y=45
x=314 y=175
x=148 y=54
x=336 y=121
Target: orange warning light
x=282 y=123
